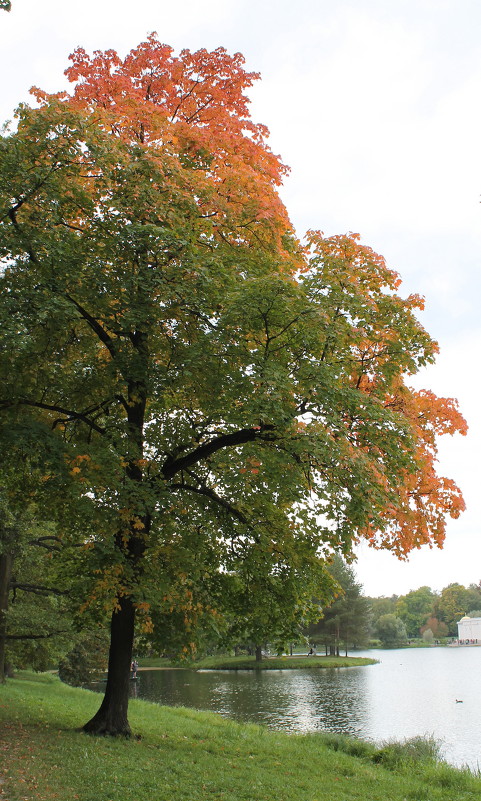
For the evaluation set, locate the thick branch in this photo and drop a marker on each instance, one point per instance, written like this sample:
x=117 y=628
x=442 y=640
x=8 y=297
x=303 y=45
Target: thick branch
x=51 y=407
x=37 y=589
x=94 y=325
x=175 y=465
x=47 y=542
x=35 y=636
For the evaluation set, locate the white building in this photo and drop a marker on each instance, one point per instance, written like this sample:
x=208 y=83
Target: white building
x=469 y=630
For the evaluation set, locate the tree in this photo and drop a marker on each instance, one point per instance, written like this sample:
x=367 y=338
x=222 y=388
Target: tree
x=271 y=607
x=345 y=620
x=34 y=614
x=414 y=608
x=34 y=603
x=437 y=627
x=5 y=5
x=391 y=630
x=382 y=606
x=454 y=602
x=209 y=396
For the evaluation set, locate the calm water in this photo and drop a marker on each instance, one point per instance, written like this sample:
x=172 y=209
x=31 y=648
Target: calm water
x=410 y=692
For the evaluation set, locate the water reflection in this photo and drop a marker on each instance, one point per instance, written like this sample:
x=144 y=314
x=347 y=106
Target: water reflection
x=292 y=700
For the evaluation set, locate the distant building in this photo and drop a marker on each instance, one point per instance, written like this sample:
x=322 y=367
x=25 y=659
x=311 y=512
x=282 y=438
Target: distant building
x=469 y=630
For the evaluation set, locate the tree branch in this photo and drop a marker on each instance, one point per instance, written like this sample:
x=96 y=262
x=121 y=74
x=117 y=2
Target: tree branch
x=47 y=542
x=210 y=493
x=175 y=465
x=95 y=326
x=37 y=589
x=51 y=407
x=35 y=636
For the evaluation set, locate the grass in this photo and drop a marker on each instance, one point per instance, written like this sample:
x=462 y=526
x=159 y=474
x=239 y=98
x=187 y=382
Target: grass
x=271 y=663
x=185 y=755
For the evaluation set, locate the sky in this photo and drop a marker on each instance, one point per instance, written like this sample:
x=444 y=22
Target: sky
x=375 y=106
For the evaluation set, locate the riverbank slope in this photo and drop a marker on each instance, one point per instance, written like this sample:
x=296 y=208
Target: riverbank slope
x=194 y=756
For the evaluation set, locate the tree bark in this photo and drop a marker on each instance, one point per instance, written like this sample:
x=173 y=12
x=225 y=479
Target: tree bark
x=111 y=717
x=6 y=565
x=258 y=653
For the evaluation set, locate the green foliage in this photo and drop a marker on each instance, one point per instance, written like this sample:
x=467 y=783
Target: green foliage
x=87 y=660
x=346 y=620
x=414 y=608
x=36 y=615
x=454 y=602
x=423 y=609
x=391 y=630
x=5 y=5
x=383 y=606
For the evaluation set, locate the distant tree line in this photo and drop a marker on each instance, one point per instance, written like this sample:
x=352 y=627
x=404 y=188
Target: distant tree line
x=355 y=620
x=424 y=612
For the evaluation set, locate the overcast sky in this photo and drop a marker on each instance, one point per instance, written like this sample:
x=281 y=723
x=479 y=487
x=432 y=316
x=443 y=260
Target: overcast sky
x=375 y=106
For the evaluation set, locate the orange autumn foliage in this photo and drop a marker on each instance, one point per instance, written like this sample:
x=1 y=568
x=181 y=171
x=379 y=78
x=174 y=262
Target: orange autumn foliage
x=375 y=339
x=190 y=112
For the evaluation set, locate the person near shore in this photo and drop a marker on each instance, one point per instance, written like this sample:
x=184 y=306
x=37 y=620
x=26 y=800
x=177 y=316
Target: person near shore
x=134 y=668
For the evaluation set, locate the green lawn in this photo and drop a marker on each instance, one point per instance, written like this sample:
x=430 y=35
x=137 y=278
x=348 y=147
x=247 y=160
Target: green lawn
x=184 y=755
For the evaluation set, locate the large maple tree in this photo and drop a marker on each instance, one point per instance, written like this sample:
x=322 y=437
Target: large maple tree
x=217 y=407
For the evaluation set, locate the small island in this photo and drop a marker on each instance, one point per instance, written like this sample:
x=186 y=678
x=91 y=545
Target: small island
x=295 y=662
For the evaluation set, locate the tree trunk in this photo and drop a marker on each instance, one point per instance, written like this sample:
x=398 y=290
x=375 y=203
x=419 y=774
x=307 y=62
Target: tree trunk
x=6 y=564
x=258 y=653
x=111 y=717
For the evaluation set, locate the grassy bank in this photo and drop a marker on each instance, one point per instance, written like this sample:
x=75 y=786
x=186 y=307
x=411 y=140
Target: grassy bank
x=186 y=755
x=270 y=663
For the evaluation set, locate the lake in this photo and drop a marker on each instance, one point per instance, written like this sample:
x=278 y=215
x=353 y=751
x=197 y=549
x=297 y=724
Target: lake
x=410 y=692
